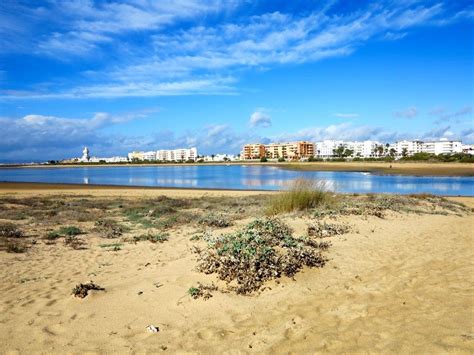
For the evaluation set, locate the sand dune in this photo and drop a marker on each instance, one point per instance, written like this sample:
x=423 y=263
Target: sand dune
x=395 y=285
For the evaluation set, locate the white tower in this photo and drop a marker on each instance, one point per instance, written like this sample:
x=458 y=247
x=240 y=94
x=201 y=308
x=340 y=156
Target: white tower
x=85 y=154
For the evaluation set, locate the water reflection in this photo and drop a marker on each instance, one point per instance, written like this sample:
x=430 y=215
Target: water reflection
x=241 y=177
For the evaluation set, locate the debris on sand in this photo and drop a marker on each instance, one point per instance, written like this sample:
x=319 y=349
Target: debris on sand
x=82 y=290
x=152 y=329
x=202 y=291
x=262 y=250
x=323 y=229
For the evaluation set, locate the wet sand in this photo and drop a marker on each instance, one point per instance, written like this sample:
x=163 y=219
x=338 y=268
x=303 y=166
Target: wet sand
x=403 y=284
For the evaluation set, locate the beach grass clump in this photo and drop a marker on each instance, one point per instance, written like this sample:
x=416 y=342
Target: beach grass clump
x=325 y=229
x=302 y=195
x=215 y=220
x=202 y=291
x=10 y=230
x=262 y=250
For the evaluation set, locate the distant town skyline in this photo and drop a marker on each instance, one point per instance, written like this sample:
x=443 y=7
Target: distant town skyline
x=135 y=75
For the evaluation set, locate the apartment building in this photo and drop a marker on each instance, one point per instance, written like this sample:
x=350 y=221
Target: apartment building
x=149 y=156
x=407 y=148
x=288 y=150
x=184 y=154
x=363 y=149
x=442 y=146
x=253 y=151
x=135 y=156
x=165 y=155
x=291 y=151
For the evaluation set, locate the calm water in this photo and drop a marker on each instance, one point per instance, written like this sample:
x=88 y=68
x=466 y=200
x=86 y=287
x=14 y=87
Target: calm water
x=239 y=177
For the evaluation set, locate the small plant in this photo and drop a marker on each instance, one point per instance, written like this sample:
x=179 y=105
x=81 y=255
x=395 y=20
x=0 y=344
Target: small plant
x=110 y=228
x=74 y=242
x=70 y=231
x=112 y=246
x=323 y=230
x=159 y=237
x=215 y=220
x=15 y=247
x=53 y=235
x=9 y=230
x=302 y=195
x=193 y=292
x=204 y=291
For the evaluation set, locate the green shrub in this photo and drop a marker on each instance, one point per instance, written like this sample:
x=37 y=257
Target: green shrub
x=302 y=195
x=53 y=235
x=262 y=250
x=70 y=231
x=263 y=160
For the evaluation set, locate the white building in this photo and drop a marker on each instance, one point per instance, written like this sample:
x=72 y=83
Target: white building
x=407 y=148
x=149 y=156
x=220 y=157
x=325 y=149
x=468 y=149
x=443 y=146
x=363 y=149
x=185 y=154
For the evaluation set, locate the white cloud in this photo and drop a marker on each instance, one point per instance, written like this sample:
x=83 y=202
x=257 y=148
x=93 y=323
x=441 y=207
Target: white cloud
x=260 y=118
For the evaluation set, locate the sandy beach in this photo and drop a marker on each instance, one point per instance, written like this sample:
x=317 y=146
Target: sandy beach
x=403 y=283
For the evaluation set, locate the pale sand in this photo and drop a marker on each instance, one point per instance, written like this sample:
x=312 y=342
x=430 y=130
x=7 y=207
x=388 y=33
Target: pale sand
x=403 y=284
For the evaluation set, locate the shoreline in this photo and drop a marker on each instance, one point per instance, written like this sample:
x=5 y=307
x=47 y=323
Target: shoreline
x=380 y=168
x=51 y=188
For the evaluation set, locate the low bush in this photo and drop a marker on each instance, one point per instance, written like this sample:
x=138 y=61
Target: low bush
x=109 y=228
x=9 y=230
x=262 y=250
x=323 y=229
x=302 y=195
x=215 y=220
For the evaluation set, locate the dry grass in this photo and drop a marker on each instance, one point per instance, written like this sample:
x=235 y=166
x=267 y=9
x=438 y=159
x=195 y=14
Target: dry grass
x=302 y=195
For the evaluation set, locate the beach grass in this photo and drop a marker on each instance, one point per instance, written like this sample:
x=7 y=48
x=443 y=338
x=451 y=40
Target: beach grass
x=302 y=195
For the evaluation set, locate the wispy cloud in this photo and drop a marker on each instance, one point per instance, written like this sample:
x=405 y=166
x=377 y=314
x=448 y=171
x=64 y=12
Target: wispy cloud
x=260 y=118
x=199 y=56
x=443 y=115
x=407 y=113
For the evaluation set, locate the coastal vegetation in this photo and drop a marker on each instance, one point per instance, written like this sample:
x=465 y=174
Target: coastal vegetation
x=303 y=194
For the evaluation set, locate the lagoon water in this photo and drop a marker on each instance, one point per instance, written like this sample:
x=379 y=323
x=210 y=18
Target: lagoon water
x=243 y=177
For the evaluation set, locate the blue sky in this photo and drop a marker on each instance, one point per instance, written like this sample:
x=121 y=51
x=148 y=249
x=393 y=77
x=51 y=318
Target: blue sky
x=147 y=75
